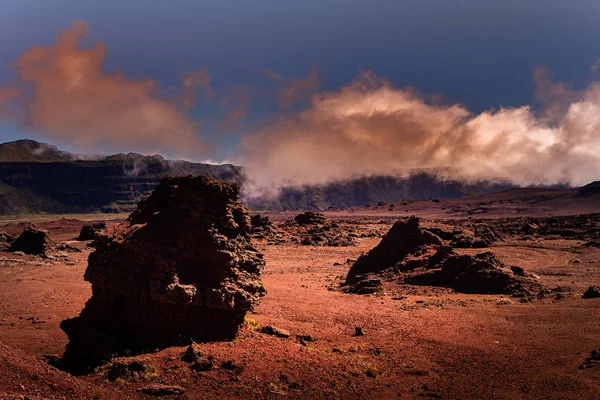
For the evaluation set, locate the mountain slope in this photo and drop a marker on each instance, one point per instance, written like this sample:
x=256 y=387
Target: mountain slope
x=37 y=177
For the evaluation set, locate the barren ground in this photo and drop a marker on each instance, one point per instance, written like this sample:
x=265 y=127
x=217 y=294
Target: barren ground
x=433 y=344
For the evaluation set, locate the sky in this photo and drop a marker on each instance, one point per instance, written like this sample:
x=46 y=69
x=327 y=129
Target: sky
x=266 y=60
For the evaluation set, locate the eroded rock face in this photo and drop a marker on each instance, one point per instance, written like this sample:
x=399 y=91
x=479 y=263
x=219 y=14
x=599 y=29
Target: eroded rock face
x=180 y=268
x=32 y=240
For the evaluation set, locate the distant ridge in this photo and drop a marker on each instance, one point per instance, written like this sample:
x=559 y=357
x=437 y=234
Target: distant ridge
x=39 y=178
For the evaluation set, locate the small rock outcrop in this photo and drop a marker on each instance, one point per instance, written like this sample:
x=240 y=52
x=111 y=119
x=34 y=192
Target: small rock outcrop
x=310 y=218
x=404 y=238
x=32 y=240
x=181 y=268
x=418 y=257
x=91 y=231
x=592 y=292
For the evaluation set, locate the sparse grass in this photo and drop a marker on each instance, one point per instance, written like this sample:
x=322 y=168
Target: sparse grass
x=252 y=324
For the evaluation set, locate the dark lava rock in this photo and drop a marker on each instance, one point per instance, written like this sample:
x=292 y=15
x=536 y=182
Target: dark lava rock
x=482 y=273
x=404 y=238
x=181 y=268
x=418 y=257
x=592 y=292
x=309 y=218
x=32 y=240
x=260 y=221
x=592 y=361
x=91 y=232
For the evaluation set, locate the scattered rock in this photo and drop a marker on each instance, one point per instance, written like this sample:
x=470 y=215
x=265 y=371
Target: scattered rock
x=181 y=268
x=309 y=218
x=91 y=232
x=162 y=390
x=274 y=331
x=32 y=240
x=358 y=331
x=592 y=292
x=592 y=360
x=202 y=365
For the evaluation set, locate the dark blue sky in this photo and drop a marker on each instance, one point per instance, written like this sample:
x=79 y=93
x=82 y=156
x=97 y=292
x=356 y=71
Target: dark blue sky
x=480 y=53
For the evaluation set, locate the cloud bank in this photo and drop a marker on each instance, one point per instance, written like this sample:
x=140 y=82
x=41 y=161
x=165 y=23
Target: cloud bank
x=369 y=127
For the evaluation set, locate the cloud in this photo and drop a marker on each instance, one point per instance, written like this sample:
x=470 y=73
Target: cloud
x=237 y=103
x=555 y=97
x=595 y=66
x=191 y=81
x=274 y=76
x=369 y=127
x=297 y=90
x=63 y=92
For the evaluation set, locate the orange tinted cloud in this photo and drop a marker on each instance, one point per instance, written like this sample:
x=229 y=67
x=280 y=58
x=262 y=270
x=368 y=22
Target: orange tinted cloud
x=66 y=95
x=369 y=127
x=274 y=76
x=297 y=90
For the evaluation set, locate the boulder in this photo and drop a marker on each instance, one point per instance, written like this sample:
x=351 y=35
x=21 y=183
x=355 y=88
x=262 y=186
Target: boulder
x=404 y=238
x=181 y=268
x=91 y=231
x=309 y=218
x=32 y=240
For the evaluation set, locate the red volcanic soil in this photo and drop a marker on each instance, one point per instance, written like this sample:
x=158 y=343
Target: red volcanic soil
x=426 y=343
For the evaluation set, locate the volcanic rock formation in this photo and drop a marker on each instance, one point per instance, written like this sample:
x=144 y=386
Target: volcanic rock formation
x=419 y=257
x=180 y=268
x=309 y=218
x=32 y=240
x=91 y=232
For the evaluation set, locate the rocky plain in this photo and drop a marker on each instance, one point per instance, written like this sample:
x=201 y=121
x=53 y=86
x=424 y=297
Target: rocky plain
x=494 y=296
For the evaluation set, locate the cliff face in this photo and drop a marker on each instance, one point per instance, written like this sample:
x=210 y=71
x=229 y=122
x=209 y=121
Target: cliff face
x=107 y=185
x=37 y=177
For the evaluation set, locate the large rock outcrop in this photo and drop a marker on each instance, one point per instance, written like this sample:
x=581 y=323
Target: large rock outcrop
x=180 y=268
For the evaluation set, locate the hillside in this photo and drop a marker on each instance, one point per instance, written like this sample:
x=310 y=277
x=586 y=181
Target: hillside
x=39 y=178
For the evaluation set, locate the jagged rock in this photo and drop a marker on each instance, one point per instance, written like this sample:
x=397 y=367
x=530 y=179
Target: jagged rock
x=91 y=232
x=181 y=268
x=260 y=221
x=592 y=361
x=404 y=238
x=32 y=240
x=592 y=292
x=418 y=257
x=309 y=218
x=275 y=331
x=5 y=240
